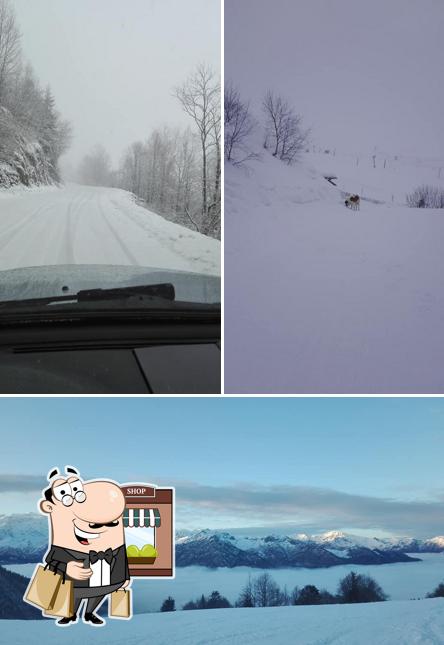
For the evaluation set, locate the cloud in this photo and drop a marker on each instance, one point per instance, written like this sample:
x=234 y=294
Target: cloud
x=325 y=508
x=303 y=507
x=22 y=483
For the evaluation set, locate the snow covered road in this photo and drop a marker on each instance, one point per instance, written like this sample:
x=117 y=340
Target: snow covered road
x=91 y=225
x=412 y=622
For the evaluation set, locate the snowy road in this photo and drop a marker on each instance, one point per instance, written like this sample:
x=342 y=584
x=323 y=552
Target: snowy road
x=88 y=225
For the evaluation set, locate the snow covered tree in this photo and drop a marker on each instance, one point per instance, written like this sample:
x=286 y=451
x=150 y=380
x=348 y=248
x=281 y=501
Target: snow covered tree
x=200 y=99
x=10 y=50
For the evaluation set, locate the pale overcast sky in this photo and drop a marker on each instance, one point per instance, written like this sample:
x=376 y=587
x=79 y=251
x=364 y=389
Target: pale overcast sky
x=112 y=64
x=362 y=73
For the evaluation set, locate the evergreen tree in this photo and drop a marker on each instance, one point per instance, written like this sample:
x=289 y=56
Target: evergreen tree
x=308 y=595
x=438 y=592
x=169 y=604
x=359 y=588
x=246 y=597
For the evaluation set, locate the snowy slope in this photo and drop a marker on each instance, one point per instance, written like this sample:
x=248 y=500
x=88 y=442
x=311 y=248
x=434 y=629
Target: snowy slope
x=386 y=178
x=318 y=299
x=90 y=225
x=404 y=623
x=322 y=299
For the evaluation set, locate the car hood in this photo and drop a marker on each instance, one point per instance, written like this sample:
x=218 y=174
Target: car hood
x=48 y=281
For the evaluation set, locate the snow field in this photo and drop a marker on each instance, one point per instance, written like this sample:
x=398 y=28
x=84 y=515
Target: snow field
x=404 y=623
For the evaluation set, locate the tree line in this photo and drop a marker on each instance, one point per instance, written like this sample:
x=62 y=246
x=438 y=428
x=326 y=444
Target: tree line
x=27 y=111
x=282 y=131
x=174 y=172
x=263 y=591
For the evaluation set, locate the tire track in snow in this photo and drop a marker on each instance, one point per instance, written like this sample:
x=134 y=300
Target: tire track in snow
x=118 y=239
x=11 y=232
x=66 y=253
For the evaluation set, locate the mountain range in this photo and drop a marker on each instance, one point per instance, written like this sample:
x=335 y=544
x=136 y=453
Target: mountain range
x=23 y=539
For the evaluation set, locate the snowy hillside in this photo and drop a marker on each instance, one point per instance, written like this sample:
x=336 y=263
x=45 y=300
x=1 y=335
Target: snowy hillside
x=320 y=299
x=22 y=158
x=323 y=299
x=404 y=623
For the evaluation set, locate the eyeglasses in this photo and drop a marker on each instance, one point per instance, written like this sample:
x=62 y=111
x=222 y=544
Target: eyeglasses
x=68 y=500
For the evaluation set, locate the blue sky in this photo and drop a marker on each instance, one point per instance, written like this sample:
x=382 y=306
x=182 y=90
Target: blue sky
x=362 y=464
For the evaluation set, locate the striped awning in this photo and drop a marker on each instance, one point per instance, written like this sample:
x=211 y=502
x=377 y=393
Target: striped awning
x=141 y=517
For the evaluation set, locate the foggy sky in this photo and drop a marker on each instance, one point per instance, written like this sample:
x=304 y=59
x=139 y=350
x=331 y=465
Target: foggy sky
x=362 y=73
x=112 y=64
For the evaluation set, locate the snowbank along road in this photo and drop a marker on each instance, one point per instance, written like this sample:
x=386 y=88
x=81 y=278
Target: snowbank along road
x=92 y=225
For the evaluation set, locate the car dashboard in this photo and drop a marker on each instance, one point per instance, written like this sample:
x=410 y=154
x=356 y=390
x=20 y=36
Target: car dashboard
x=112 y=357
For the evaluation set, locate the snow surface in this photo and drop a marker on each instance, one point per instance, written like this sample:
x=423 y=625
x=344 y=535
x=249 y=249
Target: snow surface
x=92 y=225
x=322 y=299
x=404 y=623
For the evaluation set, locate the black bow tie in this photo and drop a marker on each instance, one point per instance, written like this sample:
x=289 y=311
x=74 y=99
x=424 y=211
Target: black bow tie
x=101 y=555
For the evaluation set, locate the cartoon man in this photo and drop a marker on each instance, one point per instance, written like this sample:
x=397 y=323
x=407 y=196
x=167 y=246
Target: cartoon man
x=87 y=538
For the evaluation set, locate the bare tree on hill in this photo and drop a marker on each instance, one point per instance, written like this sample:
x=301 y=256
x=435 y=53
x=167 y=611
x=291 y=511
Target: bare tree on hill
x=238 y=125
x=283 y=132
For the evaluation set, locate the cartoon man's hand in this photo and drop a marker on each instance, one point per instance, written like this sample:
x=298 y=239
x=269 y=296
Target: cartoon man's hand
x=124 y=586
x=76 y=571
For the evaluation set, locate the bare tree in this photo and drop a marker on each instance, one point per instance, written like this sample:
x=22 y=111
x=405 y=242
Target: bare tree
x=199 y=96
x=10 y=52
x=283 y=132
x=426 y=197
x=267 y=592
x=238 y=125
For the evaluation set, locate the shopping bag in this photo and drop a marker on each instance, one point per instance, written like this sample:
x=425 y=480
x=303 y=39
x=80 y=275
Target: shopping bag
x=120 y=605
x=63 y=602
x=43 y=587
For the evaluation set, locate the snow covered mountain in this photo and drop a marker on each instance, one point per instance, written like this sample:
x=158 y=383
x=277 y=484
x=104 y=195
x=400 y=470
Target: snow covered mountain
x=342 y=542
x=23 y=539
x=221 y=549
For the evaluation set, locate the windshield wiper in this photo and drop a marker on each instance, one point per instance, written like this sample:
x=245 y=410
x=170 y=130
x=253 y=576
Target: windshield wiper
x=164 y=291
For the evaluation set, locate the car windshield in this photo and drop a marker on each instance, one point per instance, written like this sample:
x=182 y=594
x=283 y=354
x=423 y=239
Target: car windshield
x=109 y=148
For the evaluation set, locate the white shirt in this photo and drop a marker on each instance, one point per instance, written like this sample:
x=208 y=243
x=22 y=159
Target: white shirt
x=101 y=574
